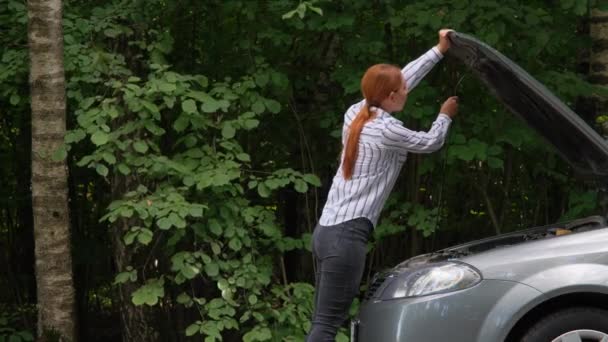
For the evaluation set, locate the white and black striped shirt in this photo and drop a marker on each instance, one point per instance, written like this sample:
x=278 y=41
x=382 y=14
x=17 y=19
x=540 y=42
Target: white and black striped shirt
x=383 y=148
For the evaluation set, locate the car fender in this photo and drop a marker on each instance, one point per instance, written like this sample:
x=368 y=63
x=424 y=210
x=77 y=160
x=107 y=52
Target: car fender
x=563 y=279
x=507 y=311
x=537 y=289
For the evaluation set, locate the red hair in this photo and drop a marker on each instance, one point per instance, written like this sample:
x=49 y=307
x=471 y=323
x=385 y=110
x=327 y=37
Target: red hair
x=376 y=85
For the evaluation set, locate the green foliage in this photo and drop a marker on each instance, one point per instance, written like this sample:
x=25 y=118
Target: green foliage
x=580 y=204
x=301 y=10
x=190 y=128
x=10 y=334
x=149 y=293
x=181 y=136
x=208 y=150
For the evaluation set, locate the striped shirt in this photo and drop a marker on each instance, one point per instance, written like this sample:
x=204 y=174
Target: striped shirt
x=383 y=147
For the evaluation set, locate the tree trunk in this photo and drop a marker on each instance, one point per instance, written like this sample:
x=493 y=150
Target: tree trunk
x=138 y=322
x=49 y=178
x=598 y=70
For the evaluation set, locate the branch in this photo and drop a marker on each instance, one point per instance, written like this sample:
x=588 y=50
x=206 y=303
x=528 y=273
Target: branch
x=489 y=205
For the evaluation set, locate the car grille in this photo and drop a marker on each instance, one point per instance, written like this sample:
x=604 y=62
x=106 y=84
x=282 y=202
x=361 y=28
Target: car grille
x=377 y=281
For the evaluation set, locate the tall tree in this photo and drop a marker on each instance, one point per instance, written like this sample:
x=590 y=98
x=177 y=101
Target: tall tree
x=598 y=71
x=49 y=174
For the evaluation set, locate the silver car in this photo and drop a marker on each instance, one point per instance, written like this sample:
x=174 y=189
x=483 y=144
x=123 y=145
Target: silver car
x=542 y=284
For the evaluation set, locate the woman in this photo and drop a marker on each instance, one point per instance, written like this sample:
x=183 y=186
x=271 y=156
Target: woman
x=375 y=148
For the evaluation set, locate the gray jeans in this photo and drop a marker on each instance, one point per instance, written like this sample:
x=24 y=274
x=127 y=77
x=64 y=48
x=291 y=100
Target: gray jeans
x=339 y=253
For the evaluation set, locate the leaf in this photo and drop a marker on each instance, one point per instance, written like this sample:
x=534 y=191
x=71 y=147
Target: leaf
x=252 y=299
x=183 y=298
x=190 y=271
x=222 y=284
x=169 y=101
x=145 y=236
x=60 y=154
x=74 y=136
x=243 y=157
x=240 y=282
x=122 y=278
x=124 y=169
x=181 y=123
x=149 y=293
x=341 y=337
x=300 y=186
x=263 y=190
x=177 y=221
x=567 y=4
x=269 y=229
x=458 y=139
x=532 y=19
x=171 y=77
x=102 y=170
x=188 y=181
x=235 y=244
x=301 y=10
x=192 y=329
x=228 y=131
x=492 y=38
x=196 y=211
x=215 y=227
x=494 y=150
x=130 y=236
x=272 y=183
x=212 y=269
x=111 y=32
x=99 y=138
x=109 y=158
x=462 y=152
x=312 y=179
x=288 y=15
x=273 y=106
x=166 y=87
x=495 y=163
x=128 y=212
x=210 y=106
x=140 y=146
x=251 y=123
x=315 y=9
x=189 y=106
x=150 y=106
x=86 y=103
x=164 y=223
x=15 y=98
x=216 y=248
x=580 y=8
x=258 y=107
x=221 y=179
x=26 y=335
x=261 y=79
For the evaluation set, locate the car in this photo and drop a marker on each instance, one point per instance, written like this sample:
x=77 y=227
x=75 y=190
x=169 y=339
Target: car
x=541 y=284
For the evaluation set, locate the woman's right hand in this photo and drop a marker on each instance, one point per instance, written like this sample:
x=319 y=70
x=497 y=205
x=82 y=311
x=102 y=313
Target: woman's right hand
x=444 y=41
x=450 y=106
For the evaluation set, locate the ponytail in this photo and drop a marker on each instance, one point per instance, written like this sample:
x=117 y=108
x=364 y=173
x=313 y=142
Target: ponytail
x=377 y=83
x=352 y=142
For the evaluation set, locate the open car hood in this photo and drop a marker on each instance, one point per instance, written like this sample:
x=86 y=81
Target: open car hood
x=523 y=95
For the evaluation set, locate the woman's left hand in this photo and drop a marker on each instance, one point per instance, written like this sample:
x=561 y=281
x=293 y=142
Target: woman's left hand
x=444 y=41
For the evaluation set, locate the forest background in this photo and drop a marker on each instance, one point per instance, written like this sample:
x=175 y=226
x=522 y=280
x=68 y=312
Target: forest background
x=202 y=137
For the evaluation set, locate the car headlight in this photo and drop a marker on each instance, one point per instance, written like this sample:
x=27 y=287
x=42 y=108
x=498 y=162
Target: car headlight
x=433 y=279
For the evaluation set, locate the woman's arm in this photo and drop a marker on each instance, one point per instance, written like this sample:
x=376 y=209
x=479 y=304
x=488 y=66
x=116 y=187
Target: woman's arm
x=396 y=136
x=415 y=71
